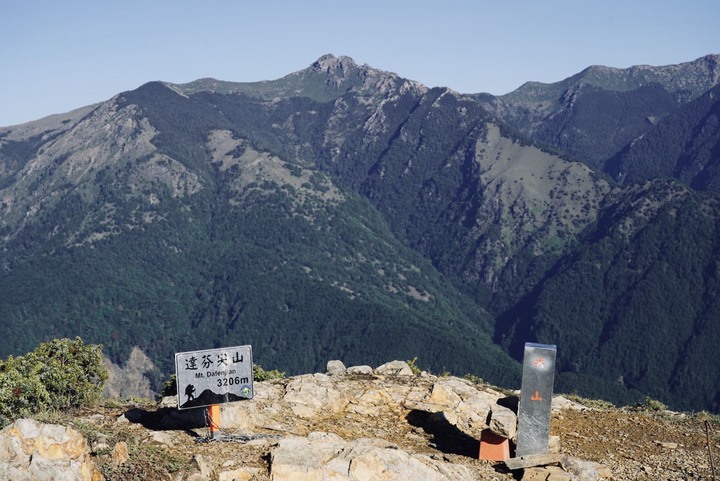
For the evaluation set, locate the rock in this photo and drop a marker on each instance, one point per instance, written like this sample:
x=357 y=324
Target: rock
x=33 y=451
x=193 y=477
x=546 y=473
x=310 y=396
x=120 y=453
x=394 y=368
x=360 y=370
x=261 y=410
x=583 y=470
x=554 y=444
x=503 y=421
x=100 y=446
x=541 y=467
x=202 y=464
x=440 y=419
x=603 y=471
x=95 y=418
x=534 y=460
x=335 y=368
x=239 y=474
x=559 y=403
x=463 y=404
x=164 y=438
x=299 y=459
x=321 y=395
x=445 y=396
x=372 y=402
x=168 y=402
x=122 y=419
x=327 y=456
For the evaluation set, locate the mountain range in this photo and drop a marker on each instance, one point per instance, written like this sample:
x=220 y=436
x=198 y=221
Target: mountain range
x=343 y=212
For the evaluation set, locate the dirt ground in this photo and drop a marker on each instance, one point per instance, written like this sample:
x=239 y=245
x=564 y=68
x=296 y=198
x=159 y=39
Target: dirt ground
x=632 y=443
x=641 y=445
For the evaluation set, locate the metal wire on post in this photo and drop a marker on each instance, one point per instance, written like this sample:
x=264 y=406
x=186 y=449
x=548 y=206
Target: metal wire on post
x=211 y=425
x=237 y=438
x=709 y=446
x=214 y=411
x=208 y=424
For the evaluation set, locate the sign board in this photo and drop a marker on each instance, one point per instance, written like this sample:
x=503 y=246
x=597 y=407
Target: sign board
x=535 y=399
x=214 y=376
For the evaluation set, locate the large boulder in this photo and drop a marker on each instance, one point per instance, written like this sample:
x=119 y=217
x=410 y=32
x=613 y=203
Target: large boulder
x=469 y=408
x=327 y=456
x=33 y=451
x=312 y=395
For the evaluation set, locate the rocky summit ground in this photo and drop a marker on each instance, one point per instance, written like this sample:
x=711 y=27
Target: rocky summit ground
x=384 y=425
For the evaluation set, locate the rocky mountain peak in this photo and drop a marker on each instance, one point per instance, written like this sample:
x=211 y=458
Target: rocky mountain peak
x=338 y=69
x=330 y=63
x=342 y=73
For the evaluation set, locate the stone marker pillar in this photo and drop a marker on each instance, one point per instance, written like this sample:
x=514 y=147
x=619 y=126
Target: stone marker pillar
x=535 y=399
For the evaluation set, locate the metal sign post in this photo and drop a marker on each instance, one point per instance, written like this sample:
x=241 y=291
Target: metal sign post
x=535 y=399
x=213 y=412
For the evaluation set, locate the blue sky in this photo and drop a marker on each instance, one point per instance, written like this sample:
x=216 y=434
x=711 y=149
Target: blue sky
x=60 y=55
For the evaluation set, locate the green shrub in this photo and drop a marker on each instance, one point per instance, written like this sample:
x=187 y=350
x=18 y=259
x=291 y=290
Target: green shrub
x=260 y=374
x=59 y=374
x=412 y=363
x=169 y=387
x=599 y=404
x=21 y=395
x=651 y=404
x=473 y=379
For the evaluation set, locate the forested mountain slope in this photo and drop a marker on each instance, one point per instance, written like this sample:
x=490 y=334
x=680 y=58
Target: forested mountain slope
x=684 y=145
x=346 y=212
x=157 y=227
x=636 y=301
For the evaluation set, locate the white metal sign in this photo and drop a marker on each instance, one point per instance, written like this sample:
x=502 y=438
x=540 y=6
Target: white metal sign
x=214 y=376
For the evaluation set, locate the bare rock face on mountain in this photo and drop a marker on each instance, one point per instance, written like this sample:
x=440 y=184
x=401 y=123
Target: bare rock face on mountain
x=130 y=380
